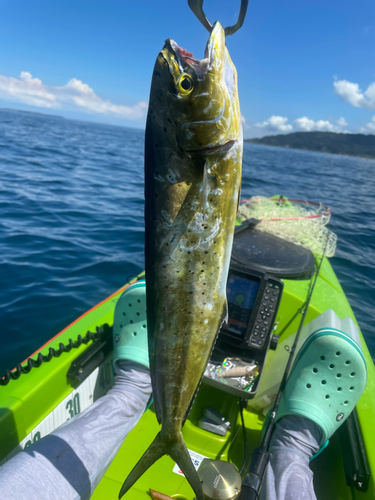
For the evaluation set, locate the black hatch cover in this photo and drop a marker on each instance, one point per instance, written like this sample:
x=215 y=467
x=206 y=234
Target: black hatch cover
x=265 y=252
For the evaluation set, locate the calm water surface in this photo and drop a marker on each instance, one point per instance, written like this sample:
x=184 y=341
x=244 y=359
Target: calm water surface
x=71 y=226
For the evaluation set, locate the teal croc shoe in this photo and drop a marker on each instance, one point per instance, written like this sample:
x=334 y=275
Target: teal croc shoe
x=326 y=382
x=130 y=326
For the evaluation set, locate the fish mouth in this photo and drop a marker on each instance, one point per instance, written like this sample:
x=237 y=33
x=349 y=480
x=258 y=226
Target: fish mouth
x=200 y=66
x=221 y=147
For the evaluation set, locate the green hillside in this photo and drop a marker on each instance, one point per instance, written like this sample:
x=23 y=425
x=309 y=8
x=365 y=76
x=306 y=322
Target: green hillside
x=323 y=142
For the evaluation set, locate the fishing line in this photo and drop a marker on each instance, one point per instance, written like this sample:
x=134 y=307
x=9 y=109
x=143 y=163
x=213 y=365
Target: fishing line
x=253 y=479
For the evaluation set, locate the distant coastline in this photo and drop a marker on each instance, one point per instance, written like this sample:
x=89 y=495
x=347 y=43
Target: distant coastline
x=323 y=142
x=68 y=118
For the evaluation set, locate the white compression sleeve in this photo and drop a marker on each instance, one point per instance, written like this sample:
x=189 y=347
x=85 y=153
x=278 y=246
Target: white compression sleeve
x=288 y=475
x=70 y=462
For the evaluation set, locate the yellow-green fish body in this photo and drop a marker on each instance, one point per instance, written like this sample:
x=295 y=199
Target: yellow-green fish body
x=193 y=156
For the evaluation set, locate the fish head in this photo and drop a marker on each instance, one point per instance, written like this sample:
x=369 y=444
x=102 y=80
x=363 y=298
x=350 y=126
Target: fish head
x=200 y=95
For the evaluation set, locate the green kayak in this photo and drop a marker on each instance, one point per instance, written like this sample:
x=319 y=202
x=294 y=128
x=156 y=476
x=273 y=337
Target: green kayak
x=76 y=370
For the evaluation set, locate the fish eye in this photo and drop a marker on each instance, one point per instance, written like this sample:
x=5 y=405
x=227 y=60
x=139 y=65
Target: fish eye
x=185 y=83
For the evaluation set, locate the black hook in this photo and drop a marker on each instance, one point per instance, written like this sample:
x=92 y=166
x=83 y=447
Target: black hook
x=197 y=7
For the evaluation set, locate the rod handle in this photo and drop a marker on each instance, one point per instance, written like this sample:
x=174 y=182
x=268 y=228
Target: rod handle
x=252 y=482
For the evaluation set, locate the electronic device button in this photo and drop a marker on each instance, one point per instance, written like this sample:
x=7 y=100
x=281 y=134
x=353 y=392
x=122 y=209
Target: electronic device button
x=256 y=332
x=259 y=320
x=262 y=335
x=265 y=304
x=268 y=290
x=265 y=322
x=268 y=315
x=257 y=327
x=264 y=316
x=264 y=329
x=261 y=312
x=274 y=293
x=272 y=300
x=260 y=342
x=266 y=297
x=270 y=285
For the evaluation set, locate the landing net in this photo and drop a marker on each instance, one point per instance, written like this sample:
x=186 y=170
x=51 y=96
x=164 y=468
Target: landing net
x=300 y=222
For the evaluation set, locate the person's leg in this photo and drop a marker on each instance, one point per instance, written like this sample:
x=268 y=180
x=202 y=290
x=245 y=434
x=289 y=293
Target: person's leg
x=327 y=380
x=288 y=475
x=69 y=463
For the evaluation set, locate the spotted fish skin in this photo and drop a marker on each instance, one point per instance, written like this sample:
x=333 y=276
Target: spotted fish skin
x=193 y=157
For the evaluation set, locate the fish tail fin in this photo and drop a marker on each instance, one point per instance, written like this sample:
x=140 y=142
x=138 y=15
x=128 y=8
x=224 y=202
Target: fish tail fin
x=180 y=455
x=178 y=452
x=155 y=451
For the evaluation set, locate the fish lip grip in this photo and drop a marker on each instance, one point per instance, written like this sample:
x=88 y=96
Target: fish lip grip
x=197 y=7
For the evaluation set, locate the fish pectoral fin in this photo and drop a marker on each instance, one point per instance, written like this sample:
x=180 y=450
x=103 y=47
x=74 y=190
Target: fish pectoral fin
x=180 y=455
x=155 y=451
x=225 y=314
x=205 y=188
x=239 y=198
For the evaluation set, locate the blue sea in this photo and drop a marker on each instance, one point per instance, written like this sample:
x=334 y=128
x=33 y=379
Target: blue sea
x=71 y=225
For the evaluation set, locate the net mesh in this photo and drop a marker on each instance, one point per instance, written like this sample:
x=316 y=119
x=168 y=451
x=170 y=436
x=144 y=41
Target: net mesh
x=301 y=222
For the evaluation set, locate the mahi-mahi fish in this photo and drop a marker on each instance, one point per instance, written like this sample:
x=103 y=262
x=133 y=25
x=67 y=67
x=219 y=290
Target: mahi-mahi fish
x=193 y=156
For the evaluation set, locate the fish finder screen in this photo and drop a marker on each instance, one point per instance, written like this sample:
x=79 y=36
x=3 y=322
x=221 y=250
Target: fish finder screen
x=241 y=293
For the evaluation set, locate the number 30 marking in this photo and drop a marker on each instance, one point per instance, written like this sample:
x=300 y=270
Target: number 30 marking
x=73 y=406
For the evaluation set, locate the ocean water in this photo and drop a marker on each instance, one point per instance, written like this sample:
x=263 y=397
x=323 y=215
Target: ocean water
x=71 y=225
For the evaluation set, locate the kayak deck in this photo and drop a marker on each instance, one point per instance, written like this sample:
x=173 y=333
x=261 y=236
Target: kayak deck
x=45 y=398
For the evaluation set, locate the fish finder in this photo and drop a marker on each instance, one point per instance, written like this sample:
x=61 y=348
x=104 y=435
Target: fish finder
x=253 y=300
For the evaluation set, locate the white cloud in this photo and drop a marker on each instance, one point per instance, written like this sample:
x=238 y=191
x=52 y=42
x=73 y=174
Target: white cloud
x=275 y=124
x=74 y=94
x=341 y=122
x=351 y=93
x=279 y=124
x=245 y=125
x=307 y=125
x=369 y=128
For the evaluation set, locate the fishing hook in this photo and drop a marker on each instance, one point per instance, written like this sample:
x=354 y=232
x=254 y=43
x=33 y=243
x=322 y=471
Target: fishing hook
x=197 y=7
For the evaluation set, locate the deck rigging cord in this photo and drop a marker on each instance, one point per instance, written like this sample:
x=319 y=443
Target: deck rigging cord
x=252 y=482
x=101 y=332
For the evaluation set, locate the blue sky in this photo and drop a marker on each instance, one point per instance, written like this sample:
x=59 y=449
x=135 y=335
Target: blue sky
x=302 y=65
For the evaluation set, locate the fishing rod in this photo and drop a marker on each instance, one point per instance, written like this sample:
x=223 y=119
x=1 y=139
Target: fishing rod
x=252 y=482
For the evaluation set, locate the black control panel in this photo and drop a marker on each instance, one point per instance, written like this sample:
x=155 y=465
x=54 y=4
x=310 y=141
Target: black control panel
x=253 y=301
x=265 y=317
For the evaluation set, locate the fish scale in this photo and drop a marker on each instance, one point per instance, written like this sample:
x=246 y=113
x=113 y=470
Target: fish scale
x=193 y=155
